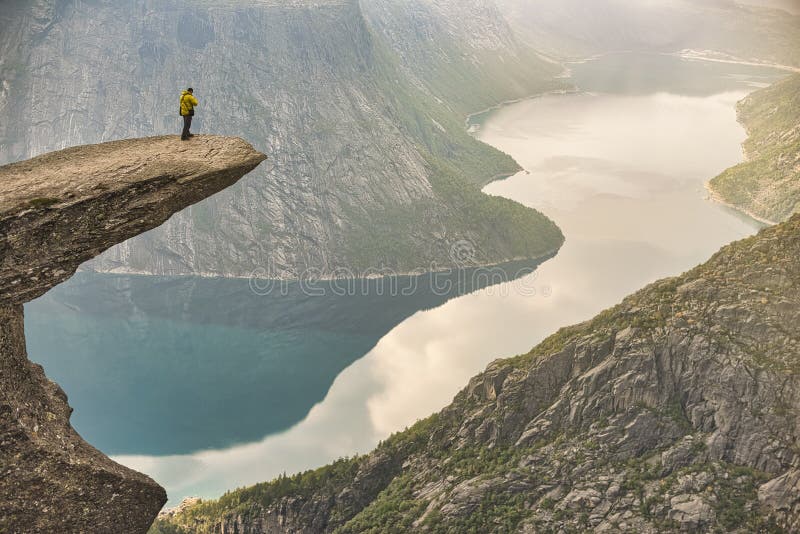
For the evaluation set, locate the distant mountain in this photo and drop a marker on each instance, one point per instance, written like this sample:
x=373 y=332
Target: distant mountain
x=767 y=185
x=360 y=108
x=791 y=6
x=578 y=28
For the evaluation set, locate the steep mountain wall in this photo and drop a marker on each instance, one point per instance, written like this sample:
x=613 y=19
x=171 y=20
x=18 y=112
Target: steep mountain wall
x=462 y=52
x=57 y=211
x=368 y=169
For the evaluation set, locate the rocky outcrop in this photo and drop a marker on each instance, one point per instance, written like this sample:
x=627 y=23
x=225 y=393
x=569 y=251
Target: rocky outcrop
x=64 y=208
x=57 y=211
x=767 y=185
x=677 y=410
x=363 y=153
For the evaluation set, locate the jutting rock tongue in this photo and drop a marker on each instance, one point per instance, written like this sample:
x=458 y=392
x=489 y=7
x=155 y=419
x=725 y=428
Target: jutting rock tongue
x=61 y=209
x=57 y=211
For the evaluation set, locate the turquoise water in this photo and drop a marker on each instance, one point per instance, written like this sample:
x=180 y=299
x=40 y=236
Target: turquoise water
x=175 y=365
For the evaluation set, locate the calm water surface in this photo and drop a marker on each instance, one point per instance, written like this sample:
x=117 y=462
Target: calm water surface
x=173 y=365
x=621 y=169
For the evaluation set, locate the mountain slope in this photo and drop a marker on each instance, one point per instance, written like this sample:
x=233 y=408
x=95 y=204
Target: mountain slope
x=767 y=185
x=368 y=168
x=677 y=409
x=461 y=52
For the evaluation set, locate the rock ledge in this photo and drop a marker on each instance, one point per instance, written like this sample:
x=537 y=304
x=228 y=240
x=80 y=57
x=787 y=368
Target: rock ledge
x=63 y=208
x=57 y=211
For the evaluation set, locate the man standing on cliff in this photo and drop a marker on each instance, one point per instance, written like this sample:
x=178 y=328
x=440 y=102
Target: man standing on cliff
x=188 y=102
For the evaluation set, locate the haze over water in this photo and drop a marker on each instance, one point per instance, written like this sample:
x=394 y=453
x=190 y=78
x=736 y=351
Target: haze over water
x=620 y=168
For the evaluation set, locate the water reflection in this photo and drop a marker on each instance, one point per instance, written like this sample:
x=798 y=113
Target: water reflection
x=161 y=366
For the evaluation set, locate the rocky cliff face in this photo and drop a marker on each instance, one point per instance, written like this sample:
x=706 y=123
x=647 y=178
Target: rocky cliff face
x=675 y=410
x=369 y=167
x=767 y=185
x=57 y=211
x=462 y=52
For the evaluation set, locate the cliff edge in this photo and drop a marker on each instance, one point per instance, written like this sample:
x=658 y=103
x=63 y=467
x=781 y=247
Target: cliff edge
x=57 y=211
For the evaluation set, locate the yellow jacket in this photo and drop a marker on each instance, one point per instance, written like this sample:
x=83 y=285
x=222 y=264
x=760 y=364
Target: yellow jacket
x=188 y=102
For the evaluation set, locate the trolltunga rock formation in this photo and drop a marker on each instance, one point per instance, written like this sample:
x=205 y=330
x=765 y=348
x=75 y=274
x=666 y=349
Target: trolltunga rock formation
x=57 y=211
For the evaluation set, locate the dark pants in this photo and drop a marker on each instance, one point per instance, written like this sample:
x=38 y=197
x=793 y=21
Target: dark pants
x=187 y=123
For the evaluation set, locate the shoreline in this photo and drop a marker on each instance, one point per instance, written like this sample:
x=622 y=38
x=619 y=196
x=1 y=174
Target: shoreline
x=707 y=55
x=714 y=196
x=327 y=278
x=468 y=124
x=687 y=54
